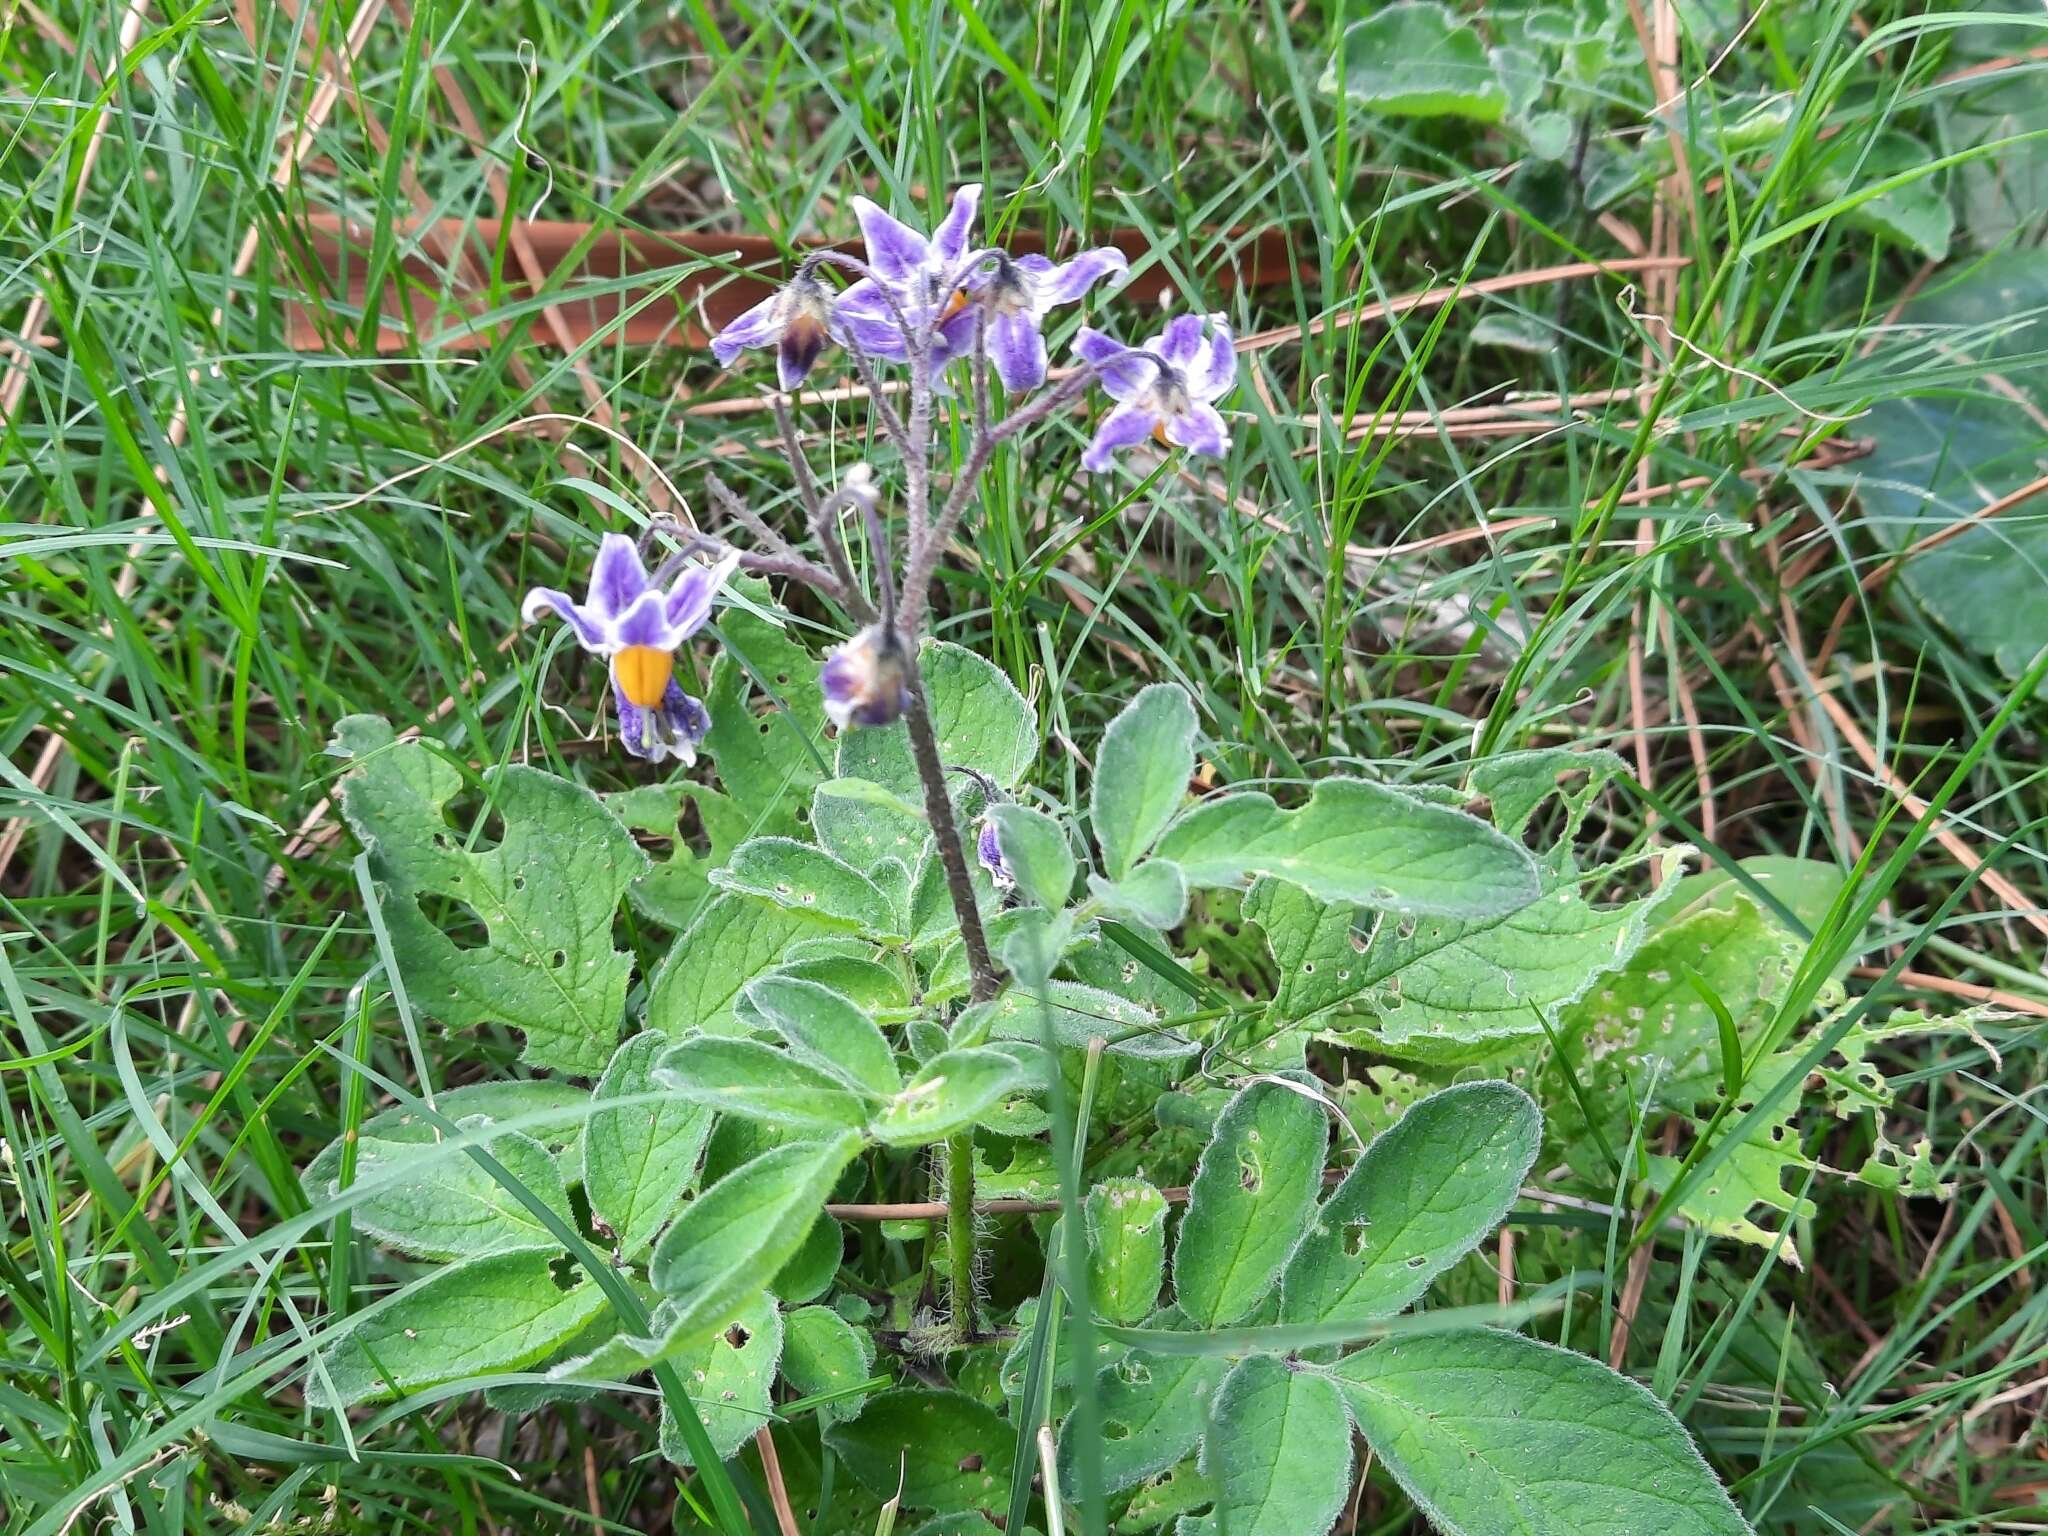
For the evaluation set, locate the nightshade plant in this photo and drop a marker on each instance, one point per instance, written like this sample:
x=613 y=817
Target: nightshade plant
x=849 y=987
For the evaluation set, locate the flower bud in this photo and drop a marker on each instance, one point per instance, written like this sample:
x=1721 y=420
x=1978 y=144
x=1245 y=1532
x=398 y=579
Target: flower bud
x=866 y=681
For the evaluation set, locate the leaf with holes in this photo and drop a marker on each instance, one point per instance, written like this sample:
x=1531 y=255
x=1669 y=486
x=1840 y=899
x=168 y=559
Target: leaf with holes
x=1141 y=775
x=445 y=1205
x=1279 y=1452
x=1252 y=1195
x=730 y=1377
x=1152 y=1409
x=503 y=1312
x=1356 y=841
x=1422 y=1197
x=823 y=1353
x=981 y=721
x=1126 y=1248
x=1498 y=1435
x=734 y=940
x=799 y=878
x=949 y=1451
x=547 y=895
x=638 y=1159
x=742 y=1229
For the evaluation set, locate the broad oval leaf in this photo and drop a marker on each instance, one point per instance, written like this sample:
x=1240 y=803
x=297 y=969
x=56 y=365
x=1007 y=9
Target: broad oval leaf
x=733 y=941
x=502 y=1312
x=822 y=1353
x=1423 y=1196
x=950 y=1451
x=1498 y=1435
x=1357 y=841
x=1279 y=1452
x=948 y=1094
x=1142 y=770
x=742 y=1229
x=446 y=1205
x=1251 y=1197
x=747 y=1077
x=800 y=878
x=638 y=1159
x=1126 y=1248
x=1152 y=1410
x=827 y=1031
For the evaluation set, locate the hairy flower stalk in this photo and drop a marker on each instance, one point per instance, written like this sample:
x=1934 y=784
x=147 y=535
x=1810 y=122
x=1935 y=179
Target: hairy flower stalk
x=924 y=302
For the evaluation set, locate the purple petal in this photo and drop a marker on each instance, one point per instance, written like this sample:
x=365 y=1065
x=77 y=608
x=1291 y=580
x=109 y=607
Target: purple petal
x=689 y=600
x=1065 y=284
x=646 y=623
x=617 y=578
x=634 y=723
x=1199 y=429
x=950 y=239
x=1180 y=343
x=895 y=250
x=990 y=852
x=1123 y=427
x=590 y=628
x=1215 y=371
x=955 y=337
x=1018 y=352
x=868 y=323
x=671 y=729
x=1127 y=373
x=760 y=326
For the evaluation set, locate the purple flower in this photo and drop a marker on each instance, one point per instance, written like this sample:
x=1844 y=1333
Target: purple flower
x=1164 y=388
x=1019 y=294
x=990 y=851
x=866 y=681
x=797 y=320
x=637 y=627
x=917 y=277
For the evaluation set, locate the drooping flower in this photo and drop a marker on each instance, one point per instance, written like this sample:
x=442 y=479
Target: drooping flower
x=1020 y=293
x=916 y=278
x=867 y=680
x=637 y=628
x=1163 y=389
x=989 y=850
x=796 y=320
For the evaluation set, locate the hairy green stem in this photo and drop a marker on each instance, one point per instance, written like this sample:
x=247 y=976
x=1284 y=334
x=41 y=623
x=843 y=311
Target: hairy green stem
x=960 y=1252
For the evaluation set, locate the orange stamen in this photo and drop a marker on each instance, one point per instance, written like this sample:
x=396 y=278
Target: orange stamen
x=643 y=673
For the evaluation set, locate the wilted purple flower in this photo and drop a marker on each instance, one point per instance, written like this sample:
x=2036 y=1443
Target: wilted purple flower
x=990 y=851
x=921 y=275
x=866 y=681
x=1164 y=388
x=1020 y=293
x=797 y=320
x=637 y=628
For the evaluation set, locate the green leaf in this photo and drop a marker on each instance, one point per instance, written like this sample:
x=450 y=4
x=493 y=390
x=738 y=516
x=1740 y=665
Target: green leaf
x=451 y=1208
x=951 y=1451
x=1497 y=1435
x=1518 y=783
x=747 y=1077
x=763 y=760
x=1416 y=59
x=672 y=891
x=1179 y=1490
x=731 y=943
x=503 y=1312
x=1917 y=214
x=1357 y=841
x=981 y=722
x=809 y=1273
x=640 y=1158
x=949 y=1093
x=1252 y=1195
x=1126 y=1248
x=1079 y=1014
x=744 y=1228
x=547 y=896
x=1156 y=894
x=1422 y=1197
x=1035 y=849
x=1152 y=1409
x=730 y=1377
x=1941 y=456
x=863 y=823
x=822 y=1353
x=1142 y=770
x=828 y=1032
x=799 y=878
x=1280 y=1451
x=508 y=1099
